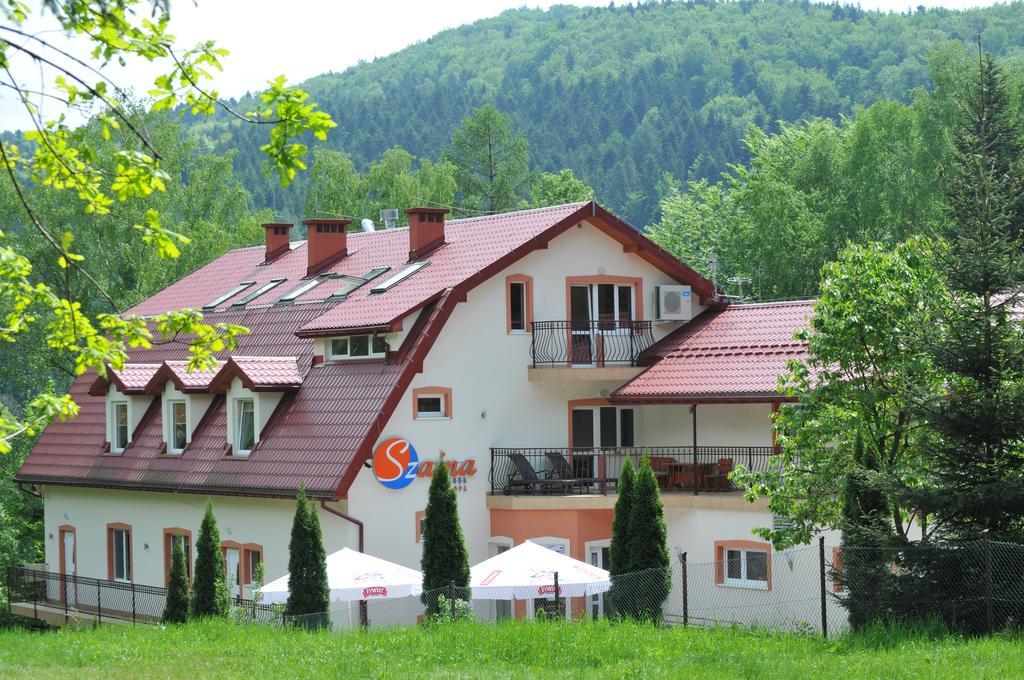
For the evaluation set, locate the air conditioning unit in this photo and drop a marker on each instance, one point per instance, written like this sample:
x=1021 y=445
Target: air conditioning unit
x=673 y=303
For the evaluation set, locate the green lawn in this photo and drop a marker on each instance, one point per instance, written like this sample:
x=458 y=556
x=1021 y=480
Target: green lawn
x=515 y=650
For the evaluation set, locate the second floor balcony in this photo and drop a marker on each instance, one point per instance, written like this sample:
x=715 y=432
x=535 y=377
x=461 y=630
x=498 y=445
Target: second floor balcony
x=589 y=344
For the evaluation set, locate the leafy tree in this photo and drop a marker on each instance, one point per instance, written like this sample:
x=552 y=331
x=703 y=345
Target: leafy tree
x=308 y=590
x=444 y=561
x=176 y=606
x=209 y=585
x=551 y=188
x=648 y=546
x=978 y=420
x=865 y=372
x=68 y=160
x=491 y=162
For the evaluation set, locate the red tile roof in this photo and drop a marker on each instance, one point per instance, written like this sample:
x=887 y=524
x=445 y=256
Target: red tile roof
x=320 y=433
x=258 y=373
x=185 y=381
x=132 y=379
x=732 y=354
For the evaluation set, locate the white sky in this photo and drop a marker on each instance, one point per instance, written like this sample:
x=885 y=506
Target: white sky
x=303 y=38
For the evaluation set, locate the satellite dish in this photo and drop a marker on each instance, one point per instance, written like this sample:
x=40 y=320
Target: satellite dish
x=367 y=224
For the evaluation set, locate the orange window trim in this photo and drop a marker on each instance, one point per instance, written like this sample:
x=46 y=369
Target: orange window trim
x=168 y=533
x=246 y=568
x=121 y=526
x=420 y=514
x=577 y=403
x=527 y=282
x=722 y=546
x=445 y=392
x=635 y=281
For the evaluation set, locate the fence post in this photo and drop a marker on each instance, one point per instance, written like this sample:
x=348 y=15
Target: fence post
x=99 y=604
x=451 y=598
x=64 y=583
x=821 y=563
x=133 y=603
x=988 y=584
x=686 y=594
x=558 y=600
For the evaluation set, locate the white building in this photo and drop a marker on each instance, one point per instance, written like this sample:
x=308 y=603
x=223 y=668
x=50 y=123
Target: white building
x=534 y=351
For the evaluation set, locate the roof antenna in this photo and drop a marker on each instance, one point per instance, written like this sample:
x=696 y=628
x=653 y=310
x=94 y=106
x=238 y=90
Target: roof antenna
x=738 y=281
x=389 y=216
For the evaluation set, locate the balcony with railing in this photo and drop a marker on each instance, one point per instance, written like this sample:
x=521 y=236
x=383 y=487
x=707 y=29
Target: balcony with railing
x=605 y=344
x=566 y=471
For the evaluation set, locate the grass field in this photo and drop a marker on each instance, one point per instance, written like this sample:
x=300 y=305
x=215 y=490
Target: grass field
x=515 y=650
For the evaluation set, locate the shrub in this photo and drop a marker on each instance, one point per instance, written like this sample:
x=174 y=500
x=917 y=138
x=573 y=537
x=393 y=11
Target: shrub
x=176 y=606
x=209 y=585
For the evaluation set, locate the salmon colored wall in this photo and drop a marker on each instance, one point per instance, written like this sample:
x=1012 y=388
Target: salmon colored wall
x=577 y=526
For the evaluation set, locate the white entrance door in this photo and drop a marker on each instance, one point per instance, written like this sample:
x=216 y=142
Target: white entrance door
x=231 y=560
x=70 y=568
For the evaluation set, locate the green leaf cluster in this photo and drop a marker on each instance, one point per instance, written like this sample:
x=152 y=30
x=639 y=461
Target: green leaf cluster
x=444 y=560
x=308 y=590
x=209 y=584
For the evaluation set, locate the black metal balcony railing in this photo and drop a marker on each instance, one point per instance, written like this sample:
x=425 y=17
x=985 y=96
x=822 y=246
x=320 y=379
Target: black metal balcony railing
x=102 y=599
x=556 y=471
x=589 y=343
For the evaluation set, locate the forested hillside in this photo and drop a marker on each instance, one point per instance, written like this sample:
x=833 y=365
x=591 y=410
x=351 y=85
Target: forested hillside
x=624 y=95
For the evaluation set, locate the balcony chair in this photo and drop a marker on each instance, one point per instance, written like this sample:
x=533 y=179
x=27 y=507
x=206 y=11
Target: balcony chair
x=661 y=465
x=525 y=479
x=560 y=469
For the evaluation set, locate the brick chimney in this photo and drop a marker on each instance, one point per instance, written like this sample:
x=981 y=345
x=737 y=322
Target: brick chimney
x=277 y=240
x=326 y=244
x=426 y=231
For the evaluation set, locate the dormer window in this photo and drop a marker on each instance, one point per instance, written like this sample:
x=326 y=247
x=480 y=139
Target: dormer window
x=120 y=428
x=179 y=427
x=245 y=437
x=357 y=347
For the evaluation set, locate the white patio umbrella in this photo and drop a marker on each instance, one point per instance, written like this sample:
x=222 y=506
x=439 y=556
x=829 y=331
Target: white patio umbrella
x=353 y=575
x=528 y=571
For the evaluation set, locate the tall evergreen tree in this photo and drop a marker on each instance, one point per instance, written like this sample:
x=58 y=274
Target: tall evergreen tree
x=867 y=530
x=620 y=554
x=176 y=605
x=209 y=584
x=444 y=560
x=308 y=591
x=492 y=166
x=648 y=545
x=979 y=419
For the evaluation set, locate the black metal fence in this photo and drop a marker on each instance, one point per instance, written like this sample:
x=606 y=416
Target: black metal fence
x=77 y=597
x=568 y=471
x=589 y=343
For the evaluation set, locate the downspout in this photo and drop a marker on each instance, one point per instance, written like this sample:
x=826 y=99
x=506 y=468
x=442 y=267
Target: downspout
x=696 y=476
x=347 y=518
x=364 y=613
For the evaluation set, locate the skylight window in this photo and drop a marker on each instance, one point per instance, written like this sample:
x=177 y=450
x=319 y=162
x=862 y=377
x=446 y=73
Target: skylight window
x=230 y=294
x=352 y=283
x=304 y=287
x=272 y=283
x=398 y=277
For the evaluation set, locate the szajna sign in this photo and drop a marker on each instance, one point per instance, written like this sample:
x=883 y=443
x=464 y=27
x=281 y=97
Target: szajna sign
x=396 y=464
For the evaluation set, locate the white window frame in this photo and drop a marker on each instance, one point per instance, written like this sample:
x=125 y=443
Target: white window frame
x=171 y=448
x=239 y=410
x=593 y=547
x=432 y=415
x=114 y=445
x=126 y=561
x=332 y=356
x=743 y=581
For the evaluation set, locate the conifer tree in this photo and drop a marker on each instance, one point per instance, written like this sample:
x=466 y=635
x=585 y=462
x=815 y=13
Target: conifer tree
x=444 y=559
x=176 y=605
x=620 y=554
x=209 y=584
x=308 y=591
x=865 y=534
x=648 y=546
x=978 y=472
